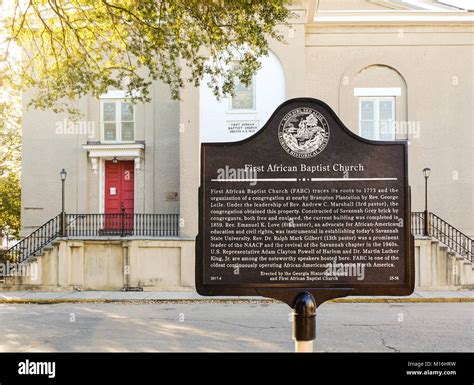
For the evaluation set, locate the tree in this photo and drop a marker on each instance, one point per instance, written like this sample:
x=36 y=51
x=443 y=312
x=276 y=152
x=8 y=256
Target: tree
x=10 y=202
x=10 y=158
x=10 y=132
x=10 y=142
x=73 y=48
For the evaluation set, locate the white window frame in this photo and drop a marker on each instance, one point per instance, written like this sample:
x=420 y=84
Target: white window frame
x=378 y=91
x=118 y=120
x=377 y=100
x=254 y=101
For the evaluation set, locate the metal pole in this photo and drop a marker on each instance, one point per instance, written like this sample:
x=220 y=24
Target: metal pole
x=304 y=322
x=122 y=216
x=63 y=212
x=427 y=219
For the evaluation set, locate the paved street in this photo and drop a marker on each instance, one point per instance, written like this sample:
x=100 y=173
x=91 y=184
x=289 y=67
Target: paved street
x=208 y=327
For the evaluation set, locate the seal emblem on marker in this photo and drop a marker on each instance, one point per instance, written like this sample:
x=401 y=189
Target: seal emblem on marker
x=303 y=132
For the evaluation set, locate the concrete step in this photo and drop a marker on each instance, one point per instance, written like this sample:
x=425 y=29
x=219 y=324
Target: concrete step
x=438 y=266
x=468 y=275
x=31 y=258
x=42 y=252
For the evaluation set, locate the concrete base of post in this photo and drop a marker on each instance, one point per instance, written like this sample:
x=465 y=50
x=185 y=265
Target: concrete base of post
x=303 y=346
x=304 y=322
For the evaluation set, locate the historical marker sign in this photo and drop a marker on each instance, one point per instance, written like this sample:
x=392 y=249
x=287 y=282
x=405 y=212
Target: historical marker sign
x=304 y=204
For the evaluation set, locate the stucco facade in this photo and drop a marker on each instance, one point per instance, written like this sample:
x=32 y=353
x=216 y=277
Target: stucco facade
x=51 y=143
x=336 y=51
x=430 y=61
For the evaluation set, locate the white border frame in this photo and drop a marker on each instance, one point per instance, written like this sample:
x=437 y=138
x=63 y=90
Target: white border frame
x=101 y=185
x=381 y=91
x=118 y=121
x=101 y=173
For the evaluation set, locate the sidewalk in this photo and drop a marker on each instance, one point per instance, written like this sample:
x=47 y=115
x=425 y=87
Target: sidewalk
x=174 y=296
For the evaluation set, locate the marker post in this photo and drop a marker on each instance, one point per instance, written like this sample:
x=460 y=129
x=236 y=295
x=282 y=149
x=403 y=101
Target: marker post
x=304 y=322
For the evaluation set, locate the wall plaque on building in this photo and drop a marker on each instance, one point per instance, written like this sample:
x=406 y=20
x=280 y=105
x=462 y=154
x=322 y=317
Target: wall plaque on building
x=242 y=126
x=304 y=204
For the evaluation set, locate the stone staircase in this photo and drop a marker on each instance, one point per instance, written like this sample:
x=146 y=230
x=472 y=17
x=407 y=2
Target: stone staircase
x=443 y=261
x=437 y=267
x=39 y=272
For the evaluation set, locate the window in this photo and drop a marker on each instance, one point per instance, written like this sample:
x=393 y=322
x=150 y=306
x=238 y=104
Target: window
x=377 y=117
x=244 y=96
x=118 y=120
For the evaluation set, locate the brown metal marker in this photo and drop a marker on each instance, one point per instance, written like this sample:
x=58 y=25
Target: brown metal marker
x=304 y=211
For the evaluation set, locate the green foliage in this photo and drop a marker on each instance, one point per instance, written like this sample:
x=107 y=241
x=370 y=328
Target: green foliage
x=10 y=157
x=79 y=47
x=10 y=134
x=10 y=202
x=10 y=145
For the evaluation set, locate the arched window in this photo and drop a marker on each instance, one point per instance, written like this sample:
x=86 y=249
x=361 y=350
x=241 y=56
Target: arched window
x=376 y=104
x=381 y=100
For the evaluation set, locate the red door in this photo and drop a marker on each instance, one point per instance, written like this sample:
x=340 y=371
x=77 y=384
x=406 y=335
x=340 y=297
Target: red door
x=119 y=195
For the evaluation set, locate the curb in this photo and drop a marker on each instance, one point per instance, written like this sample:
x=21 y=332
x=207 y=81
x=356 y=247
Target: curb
x=134 y=301
x=229 y=300
x=400 y=300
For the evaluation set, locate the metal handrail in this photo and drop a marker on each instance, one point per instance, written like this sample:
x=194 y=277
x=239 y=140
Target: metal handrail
x=94 y=225
x=447 y=234
x=99 y=225
x=34 y=242
x=167 y=225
